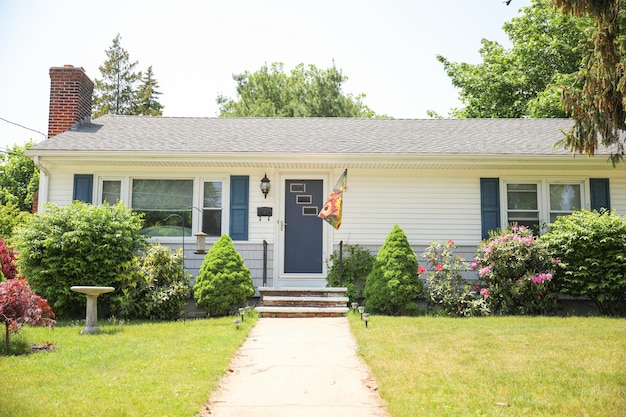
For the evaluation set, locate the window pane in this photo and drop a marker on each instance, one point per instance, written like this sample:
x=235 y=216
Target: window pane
x=212 y=194
x=212 y=222
x=523 y=205
x=564 y=197
x=522 y=197
x=111 y=191
x=166 y=205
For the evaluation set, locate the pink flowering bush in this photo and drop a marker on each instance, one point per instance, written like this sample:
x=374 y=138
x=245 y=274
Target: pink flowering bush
x=516 y=273
x=445 y=287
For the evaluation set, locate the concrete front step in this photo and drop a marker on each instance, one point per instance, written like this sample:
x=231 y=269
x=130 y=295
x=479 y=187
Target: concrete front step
x=303 y=302
x=293 y=312
x=273 y=300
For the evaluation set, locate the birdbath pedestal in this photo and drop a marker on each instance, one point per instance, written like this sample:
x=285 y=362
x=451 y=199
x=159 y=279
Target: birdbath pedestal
x=92 y=294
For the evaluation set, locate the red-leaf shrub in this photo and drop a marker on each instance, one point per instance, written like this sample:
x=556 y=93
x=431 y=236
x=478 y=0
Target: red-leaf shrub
x=7 y=261
x=19 y=305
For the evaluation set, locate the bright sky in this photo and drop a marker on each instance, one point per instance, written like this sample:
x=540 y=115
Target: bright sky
x=387 y=48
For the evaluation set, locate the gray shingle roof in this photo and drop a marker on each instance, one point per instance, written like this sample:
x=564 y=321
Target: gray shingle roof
x=312 y=135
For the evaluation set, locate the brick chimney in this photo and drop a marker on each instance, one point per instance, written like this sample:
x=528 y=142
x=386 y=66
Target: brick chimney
x=70 y=99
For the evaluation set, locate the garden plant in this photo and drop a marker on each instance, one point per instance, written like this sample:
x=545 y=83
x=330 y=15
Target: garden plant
x=224 y=283
x=592 y=248
x=517 y=273
x=19 y=305
x=357 y=264
x=78 y=244
x=393 y=284
x=446 y=289
x=155 y=286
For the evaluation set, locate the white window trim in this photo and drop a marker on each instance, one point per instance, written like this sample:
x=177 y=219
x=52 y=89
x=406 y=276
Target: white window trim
x=198 y=201
x=543 y=195
x=123 y=188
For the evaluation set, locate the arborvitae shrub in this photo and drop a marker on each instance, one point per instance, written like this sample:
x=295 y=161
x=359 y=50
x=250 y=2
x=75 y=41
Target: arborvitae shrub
x=224 y=283
x=393 y=285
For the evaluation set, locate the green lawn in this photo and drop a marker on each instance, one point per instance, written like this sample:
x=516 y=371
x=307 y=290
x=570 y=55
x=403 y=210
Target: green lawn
x=497 y=366
x=147 y=369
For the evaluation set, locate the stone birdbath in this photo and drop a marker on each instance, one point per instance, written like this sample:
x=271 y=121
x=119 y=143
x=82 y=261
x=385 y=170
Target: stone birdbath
x=92 y=294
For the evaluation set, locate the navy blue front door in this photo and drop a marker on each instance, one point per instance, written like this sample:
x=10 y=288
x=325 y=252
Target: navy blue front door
x=303 y=229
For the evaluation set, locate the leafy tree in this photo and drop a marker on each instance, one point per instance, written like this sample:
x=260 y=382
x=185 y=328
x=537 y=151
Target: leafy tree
x=592 y=248
x=224 y=282
x=115 y=93
x=79 y=244
x=306 y=92
x=19 y=305
x=597 y=100
x=524 y=80
x=19 y=177
x=393 y=284
x=147 y=103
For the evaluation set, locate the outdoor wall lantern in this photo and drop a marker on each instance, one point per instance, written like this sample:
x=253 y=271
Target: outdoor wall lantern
x=265 y=185
x=200 y=241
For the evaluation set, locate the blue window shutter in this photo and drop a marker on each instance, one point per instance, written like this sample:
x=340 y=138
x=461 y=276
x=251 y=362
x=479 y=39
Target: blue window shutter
x=83 y=187
x=600 y=195
x=489 y=205
x=239 y=192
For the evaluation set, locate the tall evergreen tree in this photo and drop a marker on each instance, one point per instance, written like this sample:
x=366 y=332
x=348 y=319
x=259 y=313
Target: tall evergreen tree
x=147 y=103
x=597 y=101
x=115 y=93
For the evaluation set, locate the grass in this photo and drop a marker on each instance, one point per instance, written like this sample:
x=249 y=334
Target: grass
x=497 y=366
x=144 y=369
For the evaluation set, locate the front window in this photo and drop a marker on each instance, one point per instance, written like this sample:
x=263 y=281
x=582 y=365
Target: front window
x=564 y=199
x=523 y=205
x=111 y=191
x=212 y=208
x=166 y=205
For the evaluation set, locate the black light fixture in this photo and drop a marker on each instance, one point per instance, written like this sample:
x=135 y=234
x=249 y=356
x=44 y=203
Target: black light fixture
x=265 y=185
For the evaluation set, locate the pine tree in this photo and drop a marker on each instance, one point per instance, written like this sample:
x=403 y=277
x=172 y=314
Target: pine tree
x=147 y=103
x=115 y=93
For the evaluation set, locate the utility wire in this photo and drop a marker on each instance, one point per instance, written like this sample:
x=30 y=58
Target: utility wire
x=24 y=127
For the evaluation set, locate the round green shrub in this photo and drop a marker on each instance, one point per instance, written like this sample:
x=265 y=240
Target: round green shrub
x=357 y=264
x=393 y=284
x=78 y=244
x=224 y=283
x=592 y=248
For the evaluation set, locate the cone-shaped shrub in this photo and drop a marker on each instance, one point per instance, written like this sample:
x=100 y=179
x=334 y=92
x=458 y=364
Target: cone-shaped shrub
x=224 y=282
x=394 y=282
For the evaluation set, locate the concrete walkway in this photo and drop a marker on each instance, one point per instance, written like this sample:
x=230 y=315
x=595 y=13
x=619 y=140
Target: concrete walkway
x=297 y=367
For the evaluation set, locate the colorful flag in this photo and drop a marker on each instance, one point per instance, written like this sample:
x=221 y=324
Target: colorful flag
x=331 y=212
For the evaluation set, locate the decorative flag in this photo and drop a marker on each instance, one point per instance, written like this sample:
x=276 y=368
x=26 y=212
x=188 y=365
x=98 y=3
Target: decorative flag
x=331 y=212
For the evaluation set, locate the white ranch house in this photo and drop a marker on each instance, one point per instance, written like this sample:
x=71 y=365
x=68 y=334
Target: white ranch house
x=437 y=179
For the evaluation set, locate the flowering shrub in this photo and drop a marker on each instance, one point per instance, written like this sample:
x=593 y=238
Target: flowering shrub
x=19 y=305
x=445 y=286
x=517 y=272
